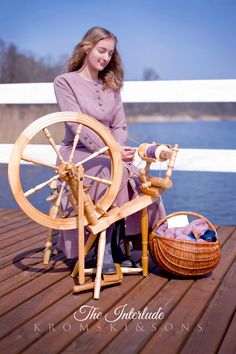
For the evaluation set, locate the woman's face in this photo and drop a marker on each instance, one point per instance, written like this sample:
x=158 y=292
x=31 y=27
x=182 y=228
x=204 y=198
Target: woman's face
x=100 y=55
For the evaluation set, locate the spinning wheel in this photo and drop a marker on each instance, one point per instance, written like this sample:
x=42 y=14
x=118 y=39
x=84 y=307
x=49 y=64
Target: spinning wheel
x=69 y=178
x=67 y=172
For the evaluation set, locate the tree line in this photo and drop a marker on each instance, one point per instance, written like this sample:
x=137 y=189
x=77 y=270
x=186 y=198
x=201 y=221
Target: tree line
x=18 y=67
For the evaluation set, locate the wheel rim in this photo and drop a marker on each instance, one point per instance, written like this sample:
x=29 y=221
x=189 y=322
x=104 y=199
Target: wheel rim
x=16 y=156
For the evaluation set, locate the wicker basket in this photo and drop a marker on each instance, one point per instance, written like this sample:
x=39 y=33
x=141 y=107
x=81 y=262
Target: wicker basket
x=184 y=258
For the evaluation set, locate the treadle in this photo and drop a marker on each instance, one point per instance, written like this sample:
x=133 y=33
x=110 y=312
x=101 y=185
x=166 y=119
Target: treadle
x=91 y=285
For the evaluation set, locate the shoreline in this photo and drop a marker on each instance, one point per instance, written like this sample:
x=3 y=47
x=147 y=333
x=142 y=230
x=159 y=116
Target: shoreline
x=177 y=118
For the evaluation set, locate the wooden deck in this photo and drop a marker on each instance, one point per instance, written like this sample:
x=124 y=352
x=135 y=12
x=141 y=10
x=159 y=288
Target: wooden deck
x=37 y=306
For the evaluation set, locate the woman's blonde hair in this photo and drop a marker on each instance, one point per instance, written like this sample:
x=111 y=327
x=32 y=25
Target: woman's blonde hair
x=112 y=75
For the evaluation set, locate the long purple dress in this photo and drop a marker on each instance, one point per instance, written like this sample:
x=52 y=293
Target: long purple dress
x=75 y=93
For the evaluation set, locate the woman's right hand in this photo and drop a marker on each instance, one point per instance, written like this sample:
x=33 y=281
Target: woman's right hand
x=127 y=153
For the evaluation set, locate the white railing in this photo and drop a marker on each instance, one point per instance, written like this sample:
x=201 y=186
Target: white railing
x=142 y=91
x=133 y=91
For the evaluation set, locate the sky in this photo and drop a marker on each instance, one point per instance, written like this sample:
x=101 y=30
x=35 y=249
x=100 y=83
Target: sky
x=178 y=39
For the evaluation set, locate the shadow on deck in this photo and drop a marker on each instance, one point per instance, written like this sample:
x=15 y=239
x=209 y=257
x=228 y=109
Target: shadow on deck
x=39 y=313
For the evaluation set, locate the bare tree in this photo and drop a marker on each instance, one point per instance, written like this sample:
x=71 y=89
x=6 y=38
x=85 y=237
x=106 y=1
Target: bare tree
x=19 y=67
x=150 y=74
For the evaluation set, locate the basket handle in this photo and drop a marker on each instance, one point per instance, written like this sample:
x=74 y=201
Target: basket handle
x=189 y=213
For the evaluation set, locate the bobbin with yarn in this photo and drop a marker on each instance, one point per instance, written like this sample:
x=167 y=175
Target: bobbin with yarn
x=152 y=152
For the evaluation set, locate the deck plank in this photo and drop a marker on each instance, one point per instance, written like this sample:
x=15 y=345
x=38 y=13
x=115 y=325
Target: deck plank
x=7 y=212
x=11 y=219
x=229 y=342
x=20 y=250
x=28 y=290
x=25 y=232
x=37 y=304
x=168 y=296
x=136 y=290
x=130 y=334
x=58 y=314
x=216 y=318
x=192 y=306
x=39 y=234
x=32 y=268
x=30 y=308
x=20 y=266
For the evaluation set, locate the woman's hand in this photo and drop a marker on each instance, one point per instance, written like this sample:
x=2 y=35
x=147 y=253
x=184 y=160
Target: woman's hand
x=127 y=153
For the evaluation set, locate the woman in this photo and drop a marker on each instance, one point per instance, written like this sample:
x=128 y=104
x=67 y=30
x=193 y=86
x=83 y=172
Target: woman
x=92 y=86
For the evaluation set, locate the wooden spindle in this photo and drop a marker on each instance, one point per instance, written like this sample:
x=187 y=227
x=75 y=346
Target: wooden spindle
x=80 y=219
x=89 y=209
x=40 y=186
x=172 y=161
x=72 y=202
x=48 y=247
x=142 y=175
x=53 y=214
x=58 y=201
x=144 y=228
x=129 y=270
x=89 y=243
x=90 y=286
x=99 y=180
x=100 y=259
x=53 y=144
x=75 y=142
x=38 y=162
x=92 y=156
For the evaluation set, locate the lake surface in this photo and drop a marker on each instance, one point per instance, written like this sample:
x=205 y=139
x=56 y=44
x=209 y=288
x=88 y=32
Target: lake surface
x=210 y=194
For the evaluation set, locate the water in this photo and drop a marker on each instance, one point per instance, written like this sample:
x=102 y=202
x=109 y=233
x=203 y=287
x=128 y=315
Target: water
x=210 y=194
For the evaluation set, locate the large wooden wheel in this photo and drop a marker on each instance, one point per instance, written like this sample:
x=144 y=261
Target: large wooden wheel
x=66 y=171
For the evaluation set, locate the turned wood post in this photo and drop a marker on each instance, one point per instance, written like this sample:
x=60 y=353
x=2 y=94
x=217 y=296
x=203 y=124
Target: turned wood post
x=144 y=228
x=81 y=224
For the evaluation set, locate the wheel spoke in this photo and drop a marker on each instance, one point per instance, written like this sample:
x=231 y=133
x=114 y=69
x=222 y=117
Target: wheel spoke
x=38 y=162
x=76 y=140
x=58 y=201
x=100 y=180
x=40 y=186
x=53 y=144
x=92 y=156
x=72 y=201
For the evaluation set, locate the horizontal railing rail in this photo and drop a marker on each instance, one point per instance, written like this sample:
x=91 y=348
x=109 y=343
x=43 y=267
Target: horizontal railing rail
x=133 y=91
x=187 y=159
x=141 y=91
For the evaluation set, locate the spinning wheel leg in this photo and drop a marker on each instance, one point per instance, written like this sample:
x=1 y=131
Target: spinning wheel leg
x=100 y=258
x=81 y=225
x=48 y=247
x=144 y=227
x=53 y=213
